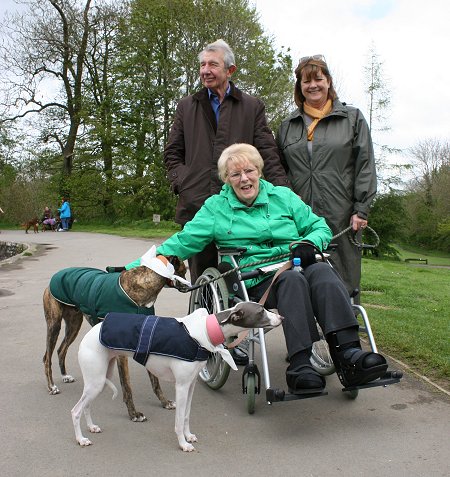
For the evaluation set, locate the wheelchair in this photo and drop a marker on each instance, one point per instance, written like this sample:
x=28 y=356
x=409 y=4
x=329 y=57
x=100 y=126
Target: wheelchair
x=222 y=287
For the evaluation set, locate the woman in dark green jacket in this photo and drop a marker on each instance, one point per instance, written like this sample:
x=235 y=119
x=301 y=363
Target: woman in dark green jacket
x=327 y=150
x=252 y=213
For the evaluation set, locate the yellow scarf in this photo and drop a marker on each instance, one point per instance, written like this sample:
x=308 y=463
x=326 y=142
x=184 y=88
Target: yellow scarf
x=317 y=115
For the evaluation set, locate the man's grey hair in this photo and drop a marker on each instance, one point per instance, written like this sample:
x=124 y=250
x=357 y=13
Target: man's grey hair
x=228 y=55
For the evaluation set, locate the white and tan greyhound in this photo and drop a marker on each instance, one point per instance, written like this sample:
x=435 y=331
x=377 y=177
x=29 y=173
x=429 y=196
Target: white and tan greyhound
x=203 y=334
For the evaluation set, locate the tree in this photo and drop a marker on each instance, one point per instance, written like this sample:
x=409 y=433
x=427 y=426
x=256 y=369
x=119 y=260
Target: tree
x=431 y=157
x=99 y=103
x=23 y=184
x=116 y=71
x=378 y=92
x=8 y=169
x=428 y=203
x=379 y=102
x=388 y=217
x=47 y=44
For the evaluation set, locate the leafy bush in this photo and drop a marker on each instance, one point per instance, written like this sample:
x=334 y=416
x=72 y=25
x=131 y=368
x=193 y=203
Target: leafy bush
x=388 y=218
x=442 y=238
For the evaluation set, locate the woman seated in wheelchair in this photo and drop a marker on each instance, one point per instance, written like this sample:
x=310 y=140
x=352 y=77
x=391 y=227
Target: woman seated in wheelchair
x=265 y=219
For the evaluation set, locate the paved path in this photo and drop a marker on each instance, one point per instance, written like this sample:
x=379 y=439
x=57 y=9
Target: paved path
x=401 y=430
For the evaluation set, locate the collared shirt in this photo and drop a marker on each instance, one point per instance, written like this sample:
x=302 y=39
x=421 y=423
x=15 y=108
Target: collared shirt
x=215 y=103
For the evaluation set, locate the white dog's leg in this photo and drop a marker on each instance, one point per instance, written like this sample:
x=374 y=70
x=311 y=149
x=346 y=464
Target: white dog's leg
x=76 y=416
x=187 y=432
x=94 y=361
x=84 y=406
x=87 y=414
x=181 y=393
x=185 y=377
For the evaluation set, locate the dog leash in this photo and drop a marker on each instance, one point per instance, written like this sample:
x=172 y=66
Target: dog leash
x=352 y=237
x=187 y=289
x=241 y=336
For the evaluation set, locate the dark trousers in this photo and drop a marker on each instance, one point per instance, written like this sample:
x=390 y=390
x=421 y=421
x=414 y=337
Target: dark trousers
x=200 y=262
x=299 y=297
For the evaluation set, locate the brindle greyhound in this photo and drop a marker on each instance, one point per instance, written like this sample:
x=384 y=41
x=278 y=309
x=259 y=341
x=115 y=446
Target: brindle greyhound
x=141 y=284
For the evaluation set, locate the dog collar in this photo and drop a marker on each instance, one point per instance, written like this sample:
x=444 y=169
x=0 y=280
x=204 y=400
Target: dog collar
x=161 y=266
x=169 y=281
x=214 y=330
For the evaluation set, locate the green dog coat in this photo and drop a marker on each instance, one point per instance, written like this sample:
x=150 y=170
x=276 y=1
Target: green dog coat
x=94 y=292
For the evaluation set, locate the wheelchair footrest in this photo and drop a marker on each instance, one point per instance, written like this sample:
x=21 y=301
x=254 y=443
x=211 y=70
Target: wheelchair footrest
x=391 y=377
x=278 y=395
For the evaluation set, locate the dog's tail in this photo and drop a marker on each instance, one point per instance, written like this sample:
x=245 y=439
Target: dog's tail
x=111 y=385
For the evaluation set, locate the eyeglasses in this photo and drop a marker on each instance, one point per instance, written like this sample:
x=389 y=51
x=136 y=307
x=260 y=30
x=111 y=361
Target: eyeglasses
x=314 y=57
x=236 y=176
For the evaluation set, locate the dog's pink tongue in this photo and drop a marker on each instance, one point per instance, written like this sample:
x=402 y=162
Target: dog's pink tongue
x=214 y=330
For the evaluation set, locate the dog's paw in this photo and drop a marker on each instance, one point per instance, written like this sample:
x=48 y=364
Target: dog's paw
x=67 y=378
x=191 y=438
x=94 y=429
x=187 y=447
x=84 y=442
x=138 y=417
x=169 y=405
x=54 y=390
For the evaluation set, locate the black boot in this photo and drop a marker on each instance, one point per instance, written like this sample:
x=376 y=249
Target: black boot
x=353 y=365
x=301 y=377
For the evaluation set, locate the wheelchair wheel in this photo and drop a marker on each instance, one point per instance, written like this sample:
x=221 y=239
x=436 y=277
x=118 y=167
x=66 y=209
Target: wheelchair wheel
x=251 y=393
x=320 y=356
x=214 y=297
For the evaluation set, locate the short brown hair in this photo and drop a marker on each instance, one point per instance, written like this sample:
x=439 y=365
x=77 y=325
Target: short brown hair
x=311 y=68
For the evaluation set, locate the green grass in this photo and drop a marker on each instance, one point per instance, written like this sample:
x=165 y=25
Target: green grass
x=433 y=257
x=141 y=230
x=408 y=307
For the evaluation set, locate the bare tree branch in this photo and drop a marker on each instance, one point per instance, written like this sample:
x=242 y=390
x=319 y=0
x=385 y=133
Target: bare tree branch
x=46 y=46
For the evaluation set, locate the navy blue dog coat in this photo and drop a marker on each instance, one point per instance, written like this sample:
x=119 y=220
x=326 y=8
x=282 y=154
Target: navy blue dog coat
x=145 y=335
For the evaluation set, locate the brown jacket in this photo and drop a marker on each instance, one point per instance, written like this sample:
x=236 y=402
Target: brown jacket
x=196 y=142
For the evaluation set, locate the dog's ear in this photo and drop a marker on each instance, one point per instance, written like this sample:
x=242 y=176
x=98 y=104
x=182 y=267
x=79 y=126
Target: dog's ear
x=178 y=265
x=174 y=260
x=233 y=317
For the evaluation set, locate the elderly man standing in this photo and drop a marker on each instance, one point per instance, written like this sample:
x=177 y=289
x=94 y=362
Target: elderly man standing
x=205 y=124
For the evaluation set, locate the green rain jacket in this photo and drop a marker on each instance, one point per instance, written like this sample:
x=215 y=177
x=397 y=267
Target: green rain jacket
x=340 y=179
x=276 y=218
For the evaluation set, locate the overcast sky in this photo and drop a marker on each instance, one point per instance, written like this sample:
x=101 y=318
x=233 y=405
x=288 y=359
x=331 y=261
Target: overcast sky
x=411 y=37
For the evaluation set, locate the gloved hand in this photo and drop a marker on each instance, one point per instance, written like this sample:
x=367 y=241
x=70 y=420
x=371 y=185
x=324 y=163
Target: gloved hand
x=306 y=252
